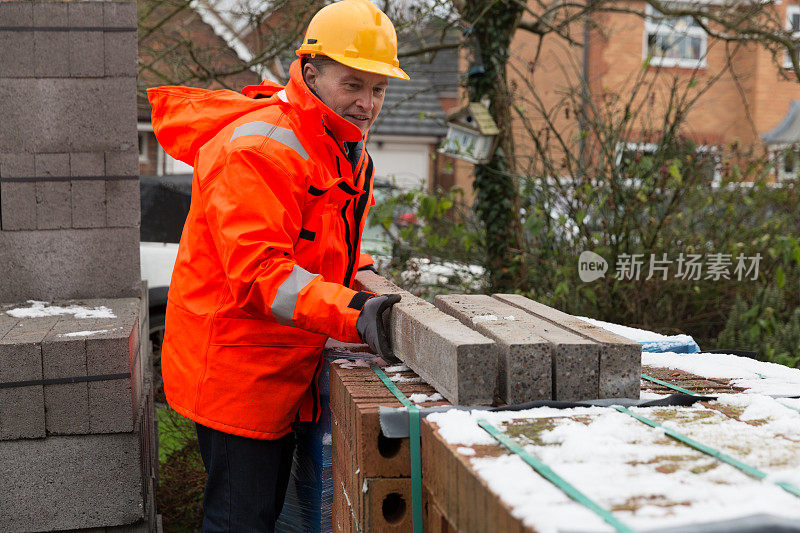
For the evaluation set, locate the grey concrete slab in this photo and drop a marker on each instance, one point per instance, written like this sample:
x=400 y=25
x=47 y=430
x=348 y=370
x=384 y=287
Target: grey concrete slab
x=85 y=14
x=50 y=14
x=82 y=164
x=123 y=207
x=119 y=14
x=459 y=362
x=89 y=204
x=17 y=52
x=122 y=162
x=22 y=414
x=108 y=356
x=78 y=263
x=84 y=481
x=18 y=206
x=620 y=358
x=68 y=115
x=51 y=53
x=53 y=205
x=67 y=408
x=16 y=14
x=525 y=359
x=17 y=165
x=111 y=406
x=87 y=53
x=121 y=54
x=52 y=164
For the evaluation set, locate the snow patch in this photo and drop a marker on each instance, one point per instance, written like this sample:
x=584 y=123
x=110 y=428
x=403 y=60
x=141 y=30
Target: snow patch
x=463 y=450
x=483 y=318
x=422 y=397
x=85 y=333
x=399 y=378
x=44 y=309
x=396 y=368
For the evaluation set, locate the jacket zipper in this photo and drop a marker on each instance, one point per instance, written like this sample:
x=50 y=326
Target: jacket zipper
x=360 y=207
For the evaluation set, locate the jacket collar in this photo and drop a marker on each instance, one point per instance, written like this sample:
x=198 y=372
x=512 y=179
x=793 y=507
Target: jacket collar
x=313 y=111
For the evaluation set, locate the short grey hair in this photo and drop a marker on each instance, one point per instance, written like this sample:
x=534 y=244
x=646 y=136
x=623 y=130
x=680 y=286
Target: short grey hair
x=319 y=61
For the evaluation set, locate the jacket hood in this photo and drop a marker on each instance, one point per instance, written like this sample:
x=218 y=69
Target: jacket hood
x=186 y=118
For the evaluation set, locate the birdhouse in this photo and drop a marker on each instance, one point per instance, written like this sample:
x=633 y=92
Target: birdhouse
x=471 y=132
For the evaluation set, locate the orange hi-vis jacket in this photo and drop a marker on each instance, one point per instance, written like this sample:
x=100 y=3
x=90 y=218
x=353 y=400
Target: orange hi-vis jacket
x=267 y=254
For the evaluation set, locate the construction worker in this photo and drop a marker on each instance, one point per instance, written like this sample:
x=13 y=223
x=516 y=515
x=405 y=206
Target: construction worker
x=281 y=189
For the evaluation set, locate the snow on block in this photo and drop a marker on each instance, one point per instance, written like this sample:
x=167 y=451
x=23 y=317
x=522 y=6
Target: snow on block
x=620 y=358
x=650 y=340
x=457 y=361
x=728 y=371
x=636 y=472
x=94 y=344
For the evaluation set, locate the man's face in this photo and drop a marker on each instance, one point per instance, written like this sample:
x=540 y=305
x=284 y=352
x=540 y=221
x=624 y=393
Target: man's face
x=355 y=95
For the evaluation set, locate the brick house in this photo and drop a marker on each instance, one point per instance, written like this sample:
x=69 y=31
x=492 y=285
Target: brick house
x=755 y=102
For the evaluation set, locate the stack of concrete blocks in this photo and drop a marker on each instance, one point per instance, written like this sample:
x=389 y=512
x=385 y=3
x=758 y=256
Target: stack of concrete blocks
x=69 y=188
x=77 y=441
x=371 y=472
x=473 y=348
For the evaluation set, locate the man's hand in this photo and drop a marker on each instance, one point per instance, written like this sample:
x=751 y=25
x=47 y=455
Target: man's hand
x=373 y=323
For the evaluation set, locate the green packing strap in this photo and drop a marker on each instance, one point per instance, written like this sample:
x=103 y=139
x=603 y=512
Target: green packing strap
x=547 y=473
x=669 y=385
x=685 y=391
x=747 y=469
x=414 y=441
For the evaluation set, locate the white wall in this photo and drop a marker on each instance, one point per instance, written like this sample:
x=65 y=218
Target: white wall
x=402 y=161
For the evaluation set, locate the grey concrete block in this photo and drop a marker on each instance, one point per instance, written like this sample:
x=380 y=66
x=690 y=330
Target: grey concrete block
x=84 y=481
x=85 y=14
x=88 y=204
x=69 y=264
x=122 y=163
x=111 y=406
x=17 y=165
x=52 y=165
x=18 y=206
x=51 y=50
x=22 y=414
x=67 y=408
x=459 y=362
x=525 y=358
x=16 y=14
x=123 y=204
x=17 y=52
x=86 y=53
x=53 y=205
x=83 y=164
x=121 y=54
x=67 y=115
x=620 y=358
x=119 y=14
x=108 y=356
x=50 y=14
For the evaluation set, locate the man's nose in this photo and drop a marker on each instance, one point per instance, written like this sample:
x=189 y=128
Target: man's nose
x=364 y=100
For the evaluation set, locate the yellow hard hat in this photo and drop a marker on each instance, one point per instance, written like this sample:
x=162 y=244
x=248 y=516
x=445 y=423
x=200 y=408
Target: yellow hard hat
x=357 y=34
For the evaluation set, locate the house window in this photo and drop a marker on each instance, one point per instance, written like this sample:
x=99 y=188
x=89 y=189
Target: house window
x=630 y=165
x=674 y=42
x=143 y=147
x=788 y=163
x=792 y=25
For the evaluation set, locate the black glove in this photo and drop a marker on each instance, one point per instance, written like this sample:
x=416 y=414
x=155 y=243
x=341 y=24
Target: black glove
x=373 y=323
x=370 y=267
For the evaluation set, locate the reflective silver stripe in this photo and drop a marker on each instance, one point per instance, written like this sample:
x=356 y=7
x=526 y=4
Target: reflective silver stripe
x=286 y=298
x=283 y=135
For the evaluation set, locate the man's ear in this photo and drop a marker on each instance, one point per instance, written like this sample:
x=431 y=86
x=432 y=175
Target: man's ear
x=310 y=75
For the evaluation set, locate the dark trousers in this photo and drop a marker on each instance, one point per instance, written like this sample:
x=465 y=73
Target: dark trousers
x=247 y=480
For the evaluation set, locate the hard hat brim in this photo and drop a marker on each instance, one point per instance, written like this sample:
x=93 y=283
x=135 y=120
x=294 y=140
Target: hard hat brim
x=368 y=65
